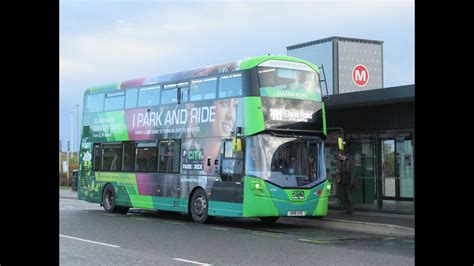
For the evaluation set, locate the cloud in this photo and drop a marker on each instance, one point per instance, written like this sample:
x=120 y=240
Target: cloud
x=177 y=27
x=71 y=67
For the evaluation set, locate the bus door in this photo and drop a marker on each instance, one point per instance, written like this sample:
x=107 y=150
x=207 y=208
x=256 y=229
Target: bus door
x=232 y=162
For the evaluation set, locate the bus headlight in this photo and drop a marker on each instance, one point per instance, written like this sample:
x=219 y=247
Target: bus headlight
x=328 y=186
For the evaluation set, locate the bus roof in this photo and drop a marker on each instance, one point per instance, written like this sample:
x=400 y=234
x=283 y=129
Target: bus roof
x=196 y=73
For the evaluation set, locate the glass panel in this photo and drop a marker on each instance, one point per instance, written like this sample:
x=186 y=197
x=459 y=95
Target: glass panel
x=114 y=101
x=149 y=96
x=111 y=157
x=95 y=102
x=146 y=157
x=184 y=94
x=169 y=96
x=230 y=85
x=96 y=157
x=228 y=151
x=388 y=168
x=131 y=98
x=405 y=166
x=169 y=156
x=287 y=162
x=203 y=89
x=281 y=78
x=129 y=156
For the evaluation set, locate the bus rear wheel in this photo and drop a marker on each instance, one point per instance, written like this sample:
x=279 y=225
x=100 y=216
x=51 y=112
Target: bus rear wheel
x=108 y=201
x=268 y=220
x=199 y=206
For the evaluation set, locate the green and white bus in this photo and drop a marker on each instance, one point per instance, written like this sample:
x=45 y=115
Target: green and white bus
x=242 y=139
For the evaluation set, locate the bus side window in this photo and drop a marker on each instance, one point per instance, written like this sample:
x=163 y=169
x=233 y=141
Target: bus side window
x=131 y=98
x=230 y=85
x=112 y=157
x=169 y=152
x=128 y=164
x=96 y=152
x=149 y=96
x=146 y=157
x=203 y=89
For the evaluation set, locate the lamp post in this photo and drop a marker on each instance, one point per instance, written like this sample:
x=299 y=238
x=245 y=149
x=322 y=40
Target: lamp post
x=78 y=133
x=60 y=162
x=67 y=172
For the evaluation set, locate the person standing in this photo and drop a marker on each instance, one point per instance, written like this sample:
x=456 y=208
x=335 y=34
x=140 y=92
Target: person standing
x=345 y=165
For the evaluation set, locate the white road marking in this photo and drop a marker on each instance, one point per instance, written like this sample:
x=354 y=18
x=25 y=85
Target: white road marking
x=174 y=223
x=90 y=241
x=313 y=241
x=194 y=262
x=218 y=228
x=141 y=219
x=265 y=234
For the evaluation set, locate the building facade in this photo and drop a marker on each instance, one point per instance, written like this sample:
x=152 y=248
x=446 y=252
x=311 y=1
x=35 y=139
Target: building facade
x=376 y=122
x=378 y=126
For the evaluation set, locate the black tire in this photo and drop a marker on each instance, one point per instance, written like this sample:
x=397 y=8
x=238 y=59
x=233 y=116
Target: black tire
x=199 y=206
x=268 y=220
x=108 y=201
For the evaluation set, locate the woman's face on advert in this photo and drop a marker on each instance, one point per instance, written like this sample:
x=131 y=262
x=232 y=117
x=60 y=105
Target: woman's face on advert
x=225 y=116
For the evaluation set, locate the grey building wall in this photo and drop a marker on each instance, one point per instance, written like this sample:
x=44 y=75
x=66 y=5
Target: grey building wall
x=351 y=54
x=339 y=56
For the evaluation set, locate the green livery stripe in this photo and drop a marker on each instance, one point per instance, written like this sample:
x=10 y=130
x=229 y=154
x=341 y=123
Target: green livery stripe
x=170 y=204
x=323 y=108
x=322 y=205
x=257 y=204
x=255 y=61
x=229 y=209
x=139 y=201
x=264 y=199
x=253 y=113
x=125 y=179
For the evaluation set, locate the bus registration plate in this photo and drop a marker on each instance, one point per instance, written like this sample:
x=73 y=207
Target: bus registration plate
x=296 y=213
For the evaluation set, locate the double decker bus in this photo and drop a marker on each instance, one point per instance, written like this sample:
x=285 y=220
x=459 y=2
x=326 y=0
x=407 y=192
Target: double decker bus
x=242 y=139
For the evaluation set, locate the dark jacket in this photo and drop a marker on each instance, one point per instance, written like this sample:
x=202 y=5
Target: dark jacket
x=347 y=169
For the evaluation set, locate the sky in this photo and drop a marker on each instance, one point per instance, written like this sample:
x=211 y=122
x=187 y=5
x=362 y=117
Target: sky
x=105 y=41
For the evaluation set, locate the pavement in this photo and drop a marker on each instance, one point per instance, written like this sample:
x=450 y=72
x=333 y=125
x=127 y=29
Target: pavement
x=360 y=221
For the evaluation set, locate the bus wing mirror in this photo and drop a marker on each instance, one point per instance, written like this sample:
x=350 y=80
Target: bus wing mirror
x=340 y=143
x=237 y=144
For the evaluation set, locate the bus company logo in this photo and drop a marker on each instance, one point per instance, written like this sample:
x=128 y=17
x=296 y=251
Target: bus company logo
x=360 y=75
x=297 y=194
x=194 y=155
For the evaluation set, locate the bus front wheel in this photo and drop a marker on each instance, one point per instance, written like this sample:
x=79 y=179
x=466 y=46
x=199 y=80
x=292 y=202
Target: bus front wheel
x=199 y=206
x=108 y=201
